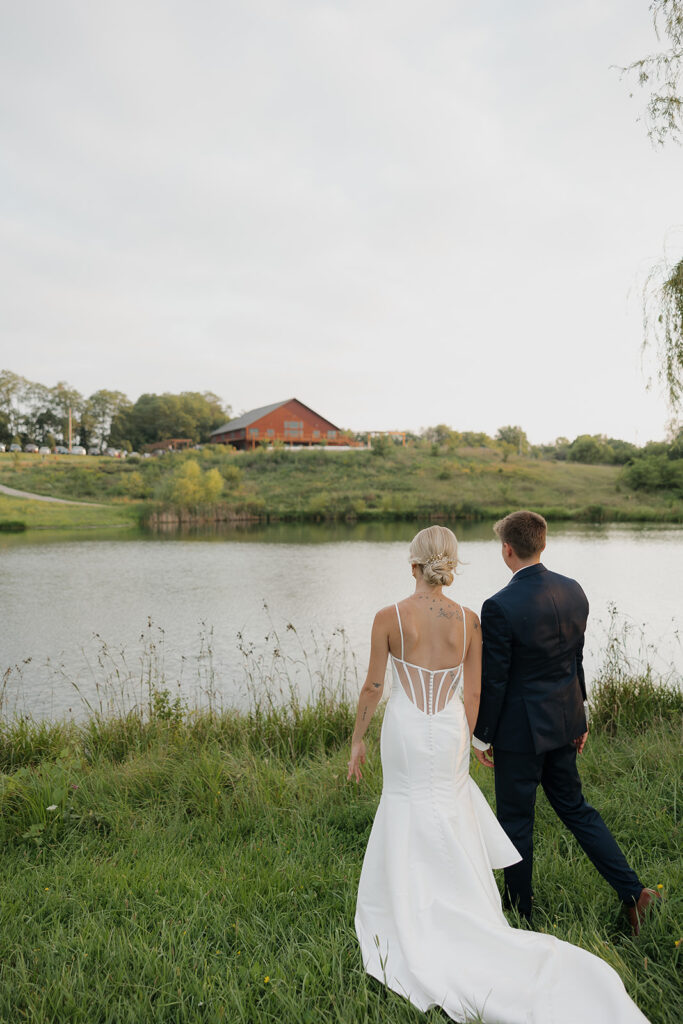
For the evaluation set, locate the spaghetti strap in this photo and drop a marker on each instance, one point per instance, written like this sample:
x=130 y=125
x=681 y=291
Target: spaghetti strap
x=464 y=633
x=398 y=615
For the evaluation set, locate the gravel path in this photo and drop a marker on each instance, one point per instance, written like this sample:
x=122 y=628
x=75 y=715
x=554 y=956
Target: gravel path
x=43 y=497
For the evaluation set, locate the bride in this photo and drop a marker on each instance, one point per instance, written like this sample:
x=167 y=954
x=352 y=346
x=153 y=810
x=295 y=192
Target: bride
x=429 y=918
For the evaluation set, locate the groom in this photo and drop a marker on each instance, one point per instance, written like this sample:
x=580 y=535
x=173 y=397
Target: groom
x=533 y=713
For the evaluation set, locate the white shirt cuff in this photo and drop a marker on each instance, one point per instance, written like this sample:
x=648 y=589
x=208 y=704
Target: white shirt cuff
x=479 y=744
x=587 y=711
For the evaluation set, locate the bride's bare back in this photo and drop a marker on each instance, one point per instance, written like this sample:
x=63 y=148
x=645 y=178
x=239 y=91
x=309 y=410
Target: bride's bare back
x=434 y=631
x=428 y=686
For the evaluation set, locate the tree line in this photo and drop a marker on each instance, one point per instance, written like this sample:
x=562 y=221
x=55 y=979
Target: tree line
x=31 y=412
x=590 y=449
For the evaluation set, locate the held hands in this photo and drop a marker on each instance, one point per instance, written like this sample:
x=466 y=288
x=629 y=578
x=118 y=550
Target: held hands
x=357 y=759
x=484 y=757
x=580 y=743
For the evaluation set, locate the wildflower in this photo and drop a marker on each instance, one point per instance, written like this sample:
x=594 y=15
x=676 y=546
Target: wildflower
x=659 y=885
x=677 y=943
x=52 y=807
x=266 y=979
x=47 y=889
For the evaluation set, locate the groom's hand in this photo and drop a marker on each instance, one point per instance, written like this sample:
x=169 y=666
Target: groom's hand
x=484 y=757
x=580 y=743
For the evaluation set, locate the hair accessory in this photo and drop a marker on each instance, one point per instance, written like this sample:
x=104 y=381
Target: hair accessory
x=434 y=558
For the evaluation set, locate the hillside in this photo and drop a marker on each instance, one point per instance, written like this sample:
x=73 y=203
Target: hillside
x=394 y=483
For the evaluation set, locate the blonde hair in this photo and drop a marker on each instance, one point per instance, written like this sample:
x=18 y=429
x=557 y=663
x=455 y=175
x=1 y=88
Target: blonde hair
x=435 y=550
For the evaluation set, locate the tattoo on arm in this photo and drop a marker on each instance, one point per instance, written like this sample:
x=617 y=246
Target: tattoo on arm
x=365 y=711
x=376 y=685
x=476 y=625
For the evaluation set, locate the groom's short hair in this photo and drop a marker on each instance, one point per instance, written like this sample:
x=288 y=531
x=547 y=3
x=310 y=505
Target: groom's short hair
x=524 y=531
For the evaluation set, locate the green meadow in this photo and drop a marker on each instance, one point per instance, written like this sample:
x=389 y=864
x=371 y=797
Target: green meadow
x=163 y=864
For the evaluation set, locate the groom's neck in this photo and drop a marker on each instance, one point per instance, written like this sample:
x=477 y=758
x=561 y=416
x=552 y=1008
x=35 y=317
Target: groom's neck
x=514 y=563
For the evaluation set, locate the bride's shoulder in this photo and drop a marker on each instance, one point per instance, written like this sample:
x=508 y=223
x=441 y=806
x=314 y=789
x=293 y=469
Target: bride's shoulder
x=471 y=617
x=387 y=614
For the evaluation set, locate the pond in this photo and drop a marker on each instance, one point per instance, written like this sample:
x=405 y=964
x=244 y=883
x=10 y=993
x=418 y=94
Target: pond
x=88 y=611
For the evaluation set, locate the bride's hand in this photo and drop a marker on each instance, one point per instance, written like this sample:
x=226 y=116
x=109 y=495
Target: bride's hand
x=357 y=759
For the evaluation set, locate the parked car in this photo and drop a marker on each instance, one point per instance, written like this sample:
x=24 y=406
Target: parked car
x=2 y=447
x=44 y=450
x=15 y=447
x=61 y=450
x=33 y=448
x=94 y=451
x=77 y=449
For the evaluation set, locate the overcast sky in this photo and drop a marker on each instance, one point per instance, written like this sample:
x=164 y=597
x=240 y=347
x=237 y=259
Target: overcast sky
x=402 y=213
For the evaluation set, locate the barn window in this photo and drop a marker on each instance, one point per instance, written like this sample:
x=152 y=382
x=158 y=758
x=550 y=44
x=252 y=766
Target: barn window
x=316 y=433
x=293 y=428
x=253 y=431
x=331 y=433
x=271 y=433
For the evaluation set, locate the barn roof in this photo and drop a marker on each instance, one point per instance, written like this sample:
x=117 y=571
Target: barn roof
x=247 y=418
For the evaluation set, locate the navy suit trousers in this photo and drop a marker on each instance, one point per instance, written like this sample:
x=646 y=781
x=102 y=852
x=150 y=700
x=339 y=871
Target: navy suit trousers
x=517 y=777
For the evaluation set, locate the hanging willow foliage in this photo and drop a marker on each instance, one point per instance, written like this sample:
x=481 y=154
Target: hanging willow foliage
x=661 y=73
x=663 y=321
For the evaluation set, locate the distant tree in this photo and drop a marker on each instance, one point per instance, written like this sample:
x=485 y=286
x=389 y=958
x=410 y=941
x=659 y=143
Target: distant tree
x=158 y=417
x=62 y=399
x=515 y=437
x=590 y=448
x=562 y=448
x=5 y=431
x=37 y=415
x=440 y=434
x=475 y=439
x=11 y=390
x=100 y=410
x=622 y=451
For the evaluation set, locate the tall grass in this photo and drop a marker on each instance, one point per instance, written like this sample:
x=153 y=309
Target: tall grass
x=627 y=694
x=170 y=864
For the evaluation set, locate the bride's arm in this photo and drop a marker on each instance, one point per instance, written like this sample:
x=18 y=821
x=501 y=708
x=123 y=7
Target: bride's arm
x=472 y=672
x=370 y=693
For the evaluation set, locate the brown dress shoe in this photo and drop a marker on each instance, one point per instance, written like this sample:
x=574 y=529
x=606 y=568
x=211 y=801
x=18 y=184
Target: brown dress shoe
x=638 y=911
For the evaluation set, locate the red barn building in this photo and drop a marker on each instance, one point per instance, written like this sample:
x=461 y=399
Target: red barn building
x=290 y=421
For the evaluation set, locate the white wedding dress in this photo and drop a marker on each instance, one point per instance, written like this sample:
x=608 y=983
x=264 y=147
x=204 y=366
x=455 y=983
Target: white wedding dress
x=429 y=917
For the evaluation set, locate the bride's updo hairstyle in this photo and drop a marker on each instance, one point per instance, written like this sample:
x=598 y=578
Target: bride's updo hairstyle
x=435 y=550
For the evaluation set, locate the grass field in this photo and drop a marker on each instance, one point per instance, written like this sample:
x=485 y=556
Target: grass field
x=169 y=866
x=402 y=483
x=46 y=515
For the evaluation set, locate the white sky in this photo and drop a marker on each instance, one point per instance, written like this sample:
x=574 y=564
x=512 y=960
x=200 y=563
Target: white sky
x=402 y=213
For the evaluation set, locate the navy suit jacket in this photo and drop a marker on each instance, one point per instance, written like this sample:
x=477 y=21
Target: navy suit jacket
x=533 y=686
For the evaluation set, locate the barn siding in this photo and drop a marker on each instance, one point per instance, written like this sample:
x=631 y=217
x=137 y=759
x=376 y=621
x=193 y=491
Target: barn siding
x=292 y=422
